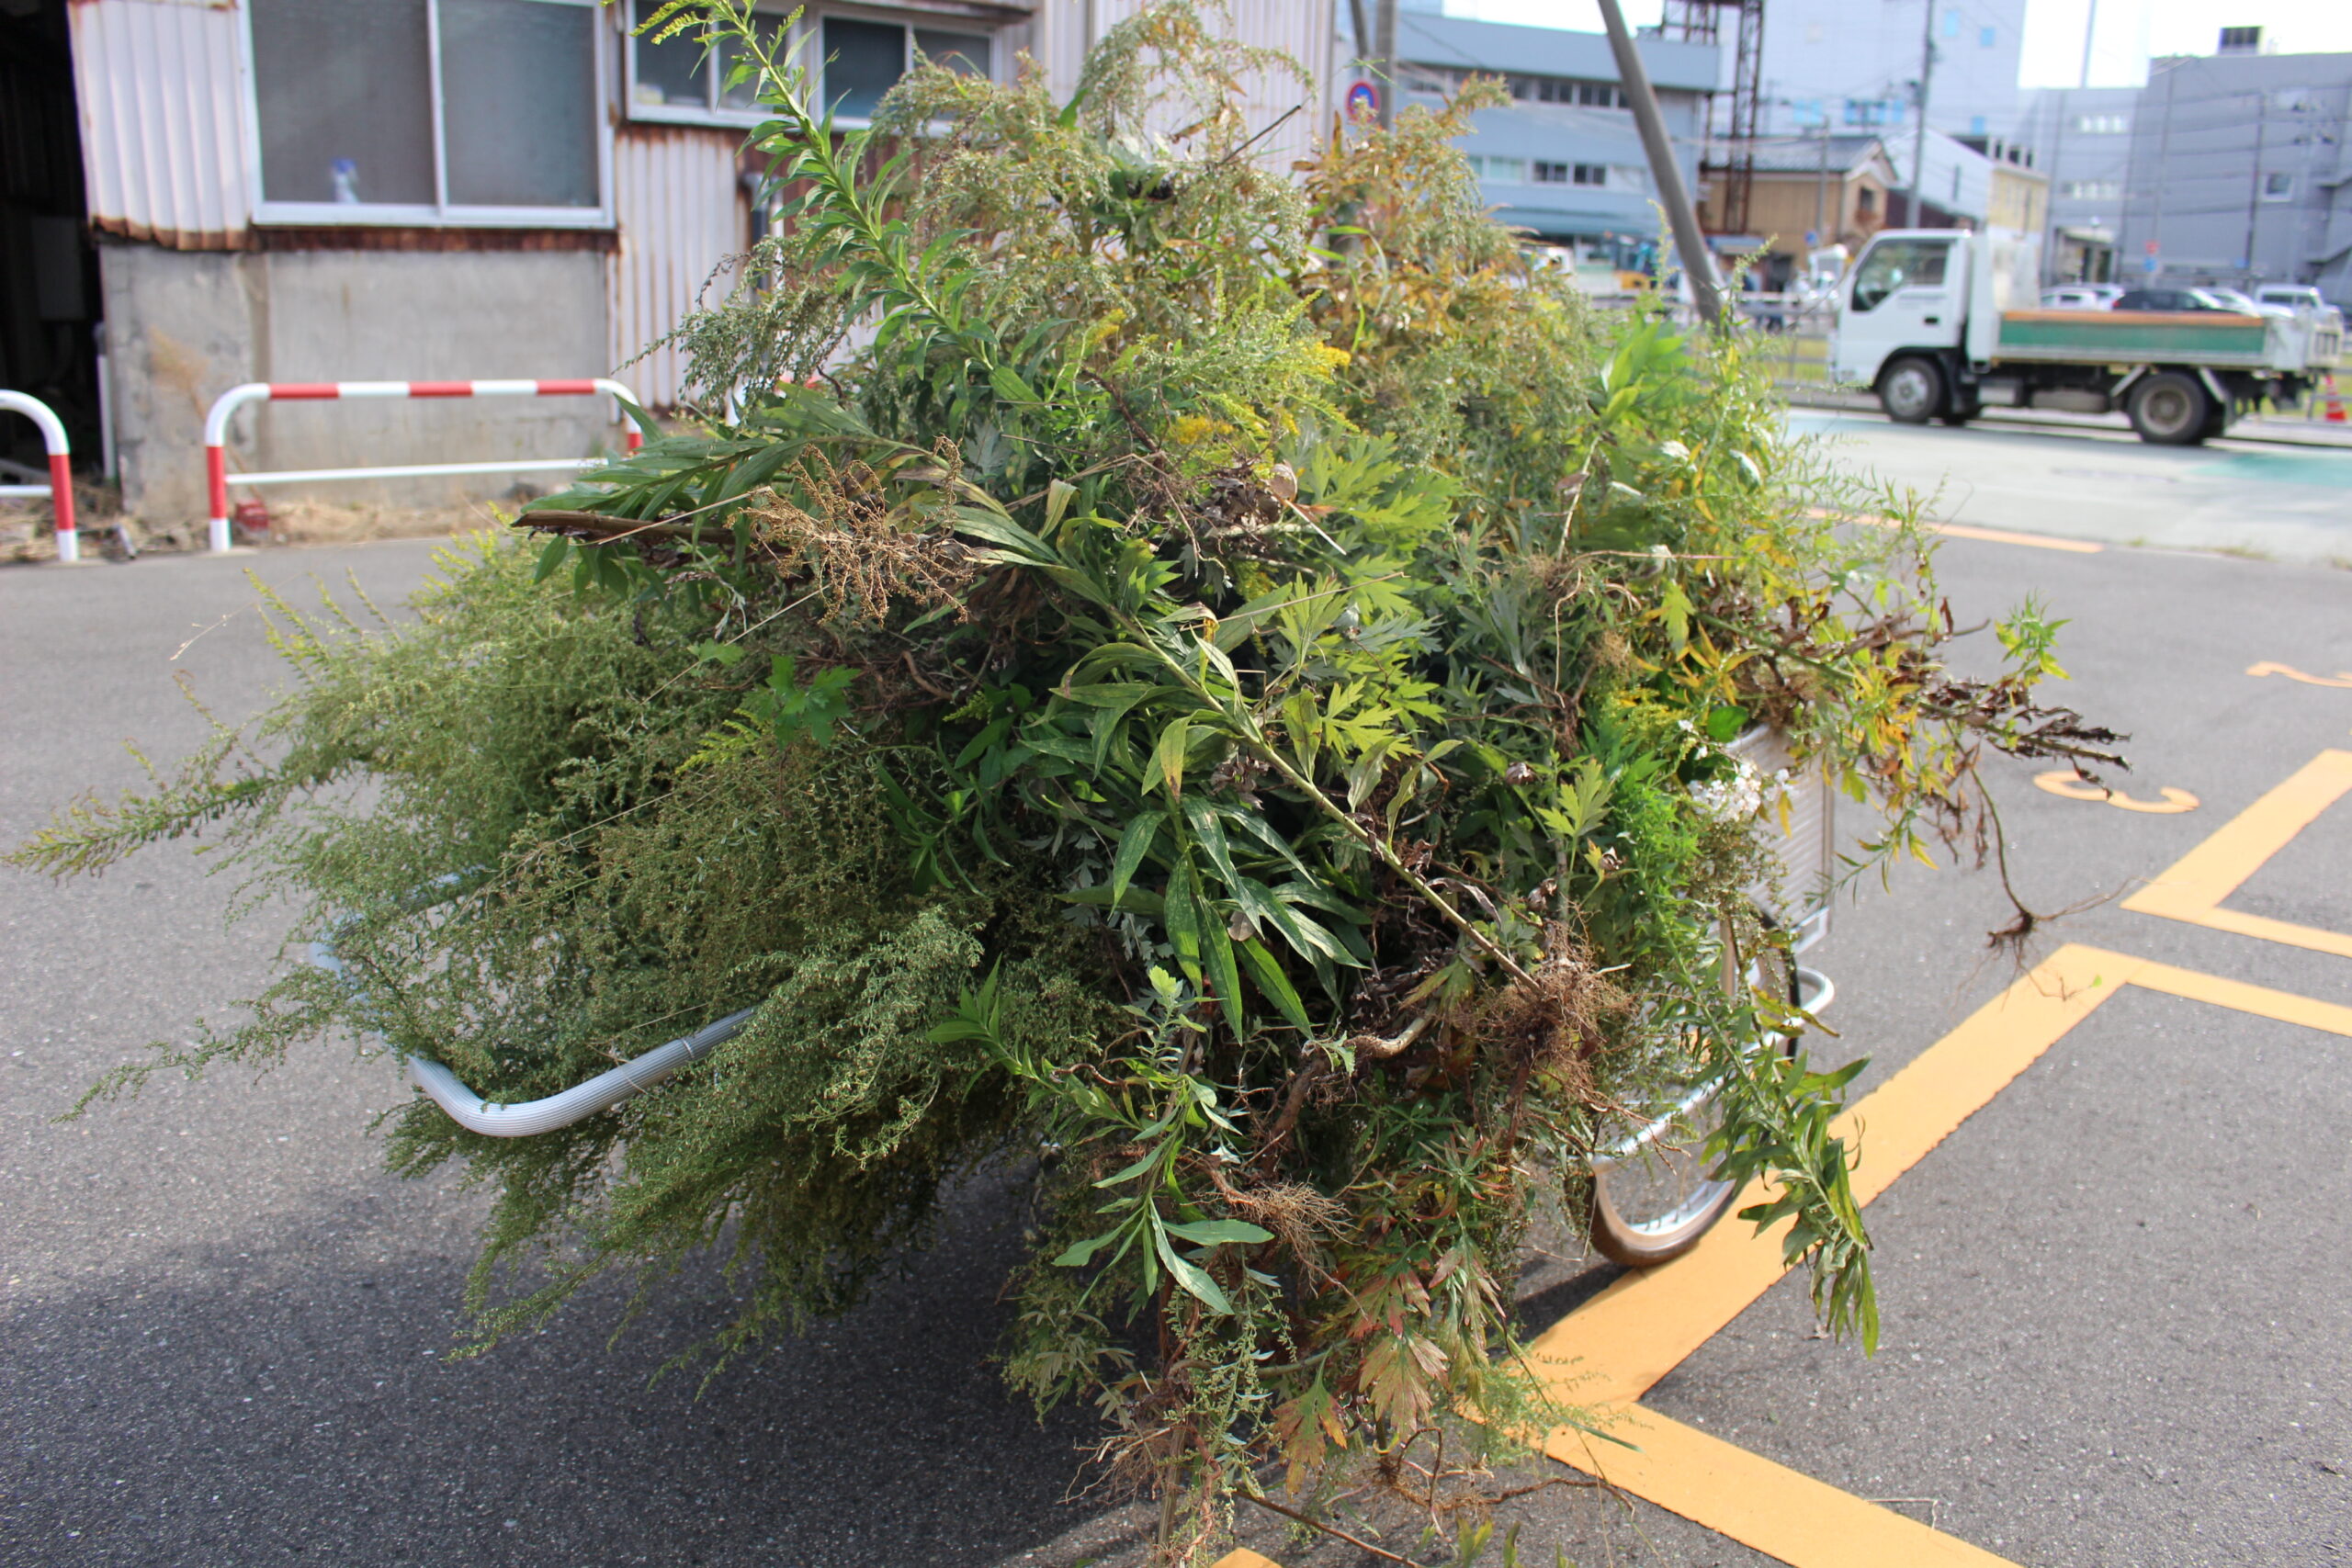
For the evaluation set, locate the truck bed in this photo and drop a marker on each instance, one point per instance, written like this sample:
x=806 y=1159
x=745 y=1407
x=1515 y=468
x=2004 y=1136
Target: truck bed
x=2210 y=339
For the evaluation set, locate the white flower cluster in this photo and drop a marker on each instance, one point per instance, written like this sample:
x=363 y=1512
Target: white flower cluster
x=1734 y=799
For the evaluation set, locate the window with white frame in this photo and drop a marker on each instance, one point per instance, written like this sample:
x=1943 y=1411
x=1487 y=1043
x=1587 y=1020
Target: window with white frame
x=1551 y=174
x=856 y=57
x=432 y=111
x=1498 y=171
x=2277 y=186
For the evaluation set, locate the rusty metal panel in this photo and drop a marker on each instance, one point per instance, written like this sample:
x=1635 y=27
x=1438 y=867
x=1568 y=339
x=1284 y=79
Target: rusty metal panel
x=681 y=211
x=161 y=84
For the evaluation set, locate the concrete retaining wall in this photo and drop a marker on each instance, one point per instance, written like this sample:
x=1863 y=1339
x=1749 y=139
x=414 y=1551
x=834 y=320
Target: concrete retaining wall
x=182 y=327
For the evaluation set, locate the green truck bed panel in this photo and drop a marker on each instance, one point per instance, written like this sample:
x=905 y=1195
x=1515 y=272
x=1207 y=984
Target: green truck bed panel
x=2132 y=337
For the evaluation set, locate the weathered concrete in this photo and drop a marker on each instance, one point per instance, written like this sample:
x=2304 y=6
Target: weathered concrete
x=184 y=326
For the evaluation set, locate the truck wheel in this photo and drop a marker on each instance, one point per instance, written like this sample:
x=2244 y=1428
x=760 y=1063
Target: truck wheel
x=2169 y=409
x=1912 y=390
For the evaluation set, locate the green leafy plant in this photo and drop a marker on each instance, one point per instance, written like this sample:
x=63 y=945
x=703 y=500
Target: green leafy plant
x=1219 y=702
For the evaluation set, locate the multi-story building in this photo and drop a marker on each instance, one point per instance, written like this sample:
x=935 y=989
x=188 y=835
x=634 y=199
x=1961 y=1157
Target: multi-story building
x=2081 y=139
x=2240 y=171
x=1563 y=159
x=441 y=190
x=1857 y=64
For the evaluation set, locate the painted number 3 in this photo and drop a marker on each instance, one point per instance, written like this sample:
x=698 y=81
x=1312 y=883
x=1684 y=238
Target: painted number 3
x=2070 y=786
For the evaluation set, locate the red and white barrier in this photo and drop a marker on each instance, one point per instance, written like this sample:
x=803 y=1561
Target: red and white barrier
x=218 y=478
x=59 y=489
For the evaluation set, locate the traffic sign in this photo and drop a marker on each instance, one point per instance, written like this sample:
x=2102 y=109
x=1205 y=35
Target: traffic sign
x=1363 y=100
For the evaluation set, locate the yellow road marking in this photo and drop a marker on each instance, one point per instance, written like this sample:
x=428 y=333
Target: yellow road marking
x=2289 y=671
x=1781 y=1512
x=2003 y=536
x=2284 y=1006
x=2193 y=888
x=1970 y=531
x=2072 y=786
x=1605 y=1355
x=1612 y=1349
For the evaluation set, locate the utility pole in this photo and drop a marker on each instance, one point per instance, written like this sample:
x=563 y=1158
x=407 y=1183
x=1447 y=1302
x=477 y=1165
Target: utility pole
x=1821 y=190
x=2163 y=161
x=2254 y=189
x=1919 y=132
x=1688 y=243
x=1383 y=43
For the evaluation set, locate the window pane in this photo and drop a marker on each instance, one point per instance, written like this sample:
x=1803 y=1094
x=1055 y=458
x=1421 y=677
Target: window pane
x=1895 y=265
x=673 y=71
x=964 y=53
x=863 y=60
x=344 y=93
x=745 y=94
x=518 y=90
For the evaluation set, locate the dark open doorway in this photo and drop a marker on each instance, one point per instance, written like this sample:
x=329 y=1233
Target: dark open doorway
x=49 y=270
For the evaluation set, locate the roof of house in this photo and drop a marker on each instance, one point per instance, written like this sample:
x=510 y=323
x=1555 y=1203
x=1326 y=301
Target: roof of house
x=1803 y=154
x=1550 y=130
x=1513 y=50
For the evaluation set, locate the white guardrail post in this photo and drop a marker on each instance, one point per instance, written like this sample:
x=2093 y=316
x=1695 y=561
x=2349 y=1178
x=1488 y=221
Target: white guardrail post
x=218 y=478
x=59 y=489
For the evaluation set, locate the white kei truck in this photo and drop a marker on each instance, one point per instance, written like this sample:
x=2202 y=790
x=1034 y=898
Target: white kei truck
x=1943 y=322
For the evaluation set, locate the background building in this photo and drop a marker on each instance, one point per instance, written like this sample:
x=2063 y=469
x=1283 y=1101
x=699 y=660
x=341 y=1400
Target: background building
x=2238 y=172
x=1813 y=191
x=1857 y=62
x=2081 y=139
x=1562 y=160
x=209 y=192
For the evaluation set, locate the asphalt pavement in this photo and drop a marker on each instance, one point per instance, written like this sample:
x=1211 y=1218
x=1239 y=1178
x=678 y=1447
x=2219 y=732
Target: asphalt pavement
x=2117 y=1301
x=2095 y=480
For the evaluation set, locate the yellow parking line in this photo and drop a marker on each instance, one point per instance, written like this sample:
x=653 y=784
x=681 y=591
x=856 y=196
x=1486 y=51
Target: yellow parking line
x=1970 y=531
x=2284 y=1006
x=1609 y=1352
x=2003 y=536
x=1645 y=1324
x=1779 y=1511
x=2193 y=888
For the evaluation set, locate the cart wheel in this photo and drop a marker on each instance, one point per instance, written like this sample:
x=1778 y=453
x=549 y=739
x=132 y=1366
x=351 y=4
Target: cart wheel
x=1653 y=1191
x=1654 y=1202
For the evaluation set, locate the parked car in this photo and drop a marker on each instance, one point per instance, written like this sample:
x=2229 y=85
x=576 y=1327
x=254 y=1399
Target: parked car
x=2246 y=306
x=2302 y=301
x=2080 y=297
x=2171 y=299
x=2293 y=296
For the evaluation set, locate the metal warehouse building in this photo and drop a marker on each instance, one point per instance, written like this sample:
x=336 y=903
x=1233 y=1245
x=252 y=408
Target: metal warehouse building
x=202 y=193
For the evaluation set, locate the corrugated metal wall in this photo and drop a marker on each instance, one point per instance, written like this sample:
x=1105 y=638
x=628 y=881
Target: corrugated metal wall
x=1063 y=30
x=160 y=89
x=681 y=211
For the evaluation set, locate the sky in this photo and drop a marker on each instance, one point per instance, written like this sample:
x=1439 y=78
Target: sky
x=2129 y=31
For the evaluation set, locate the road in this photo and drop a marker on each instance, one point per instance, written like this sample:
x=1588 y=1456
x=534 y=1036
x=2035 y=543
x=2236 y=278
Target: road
x=2086 y=480
x=2119 y=1305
